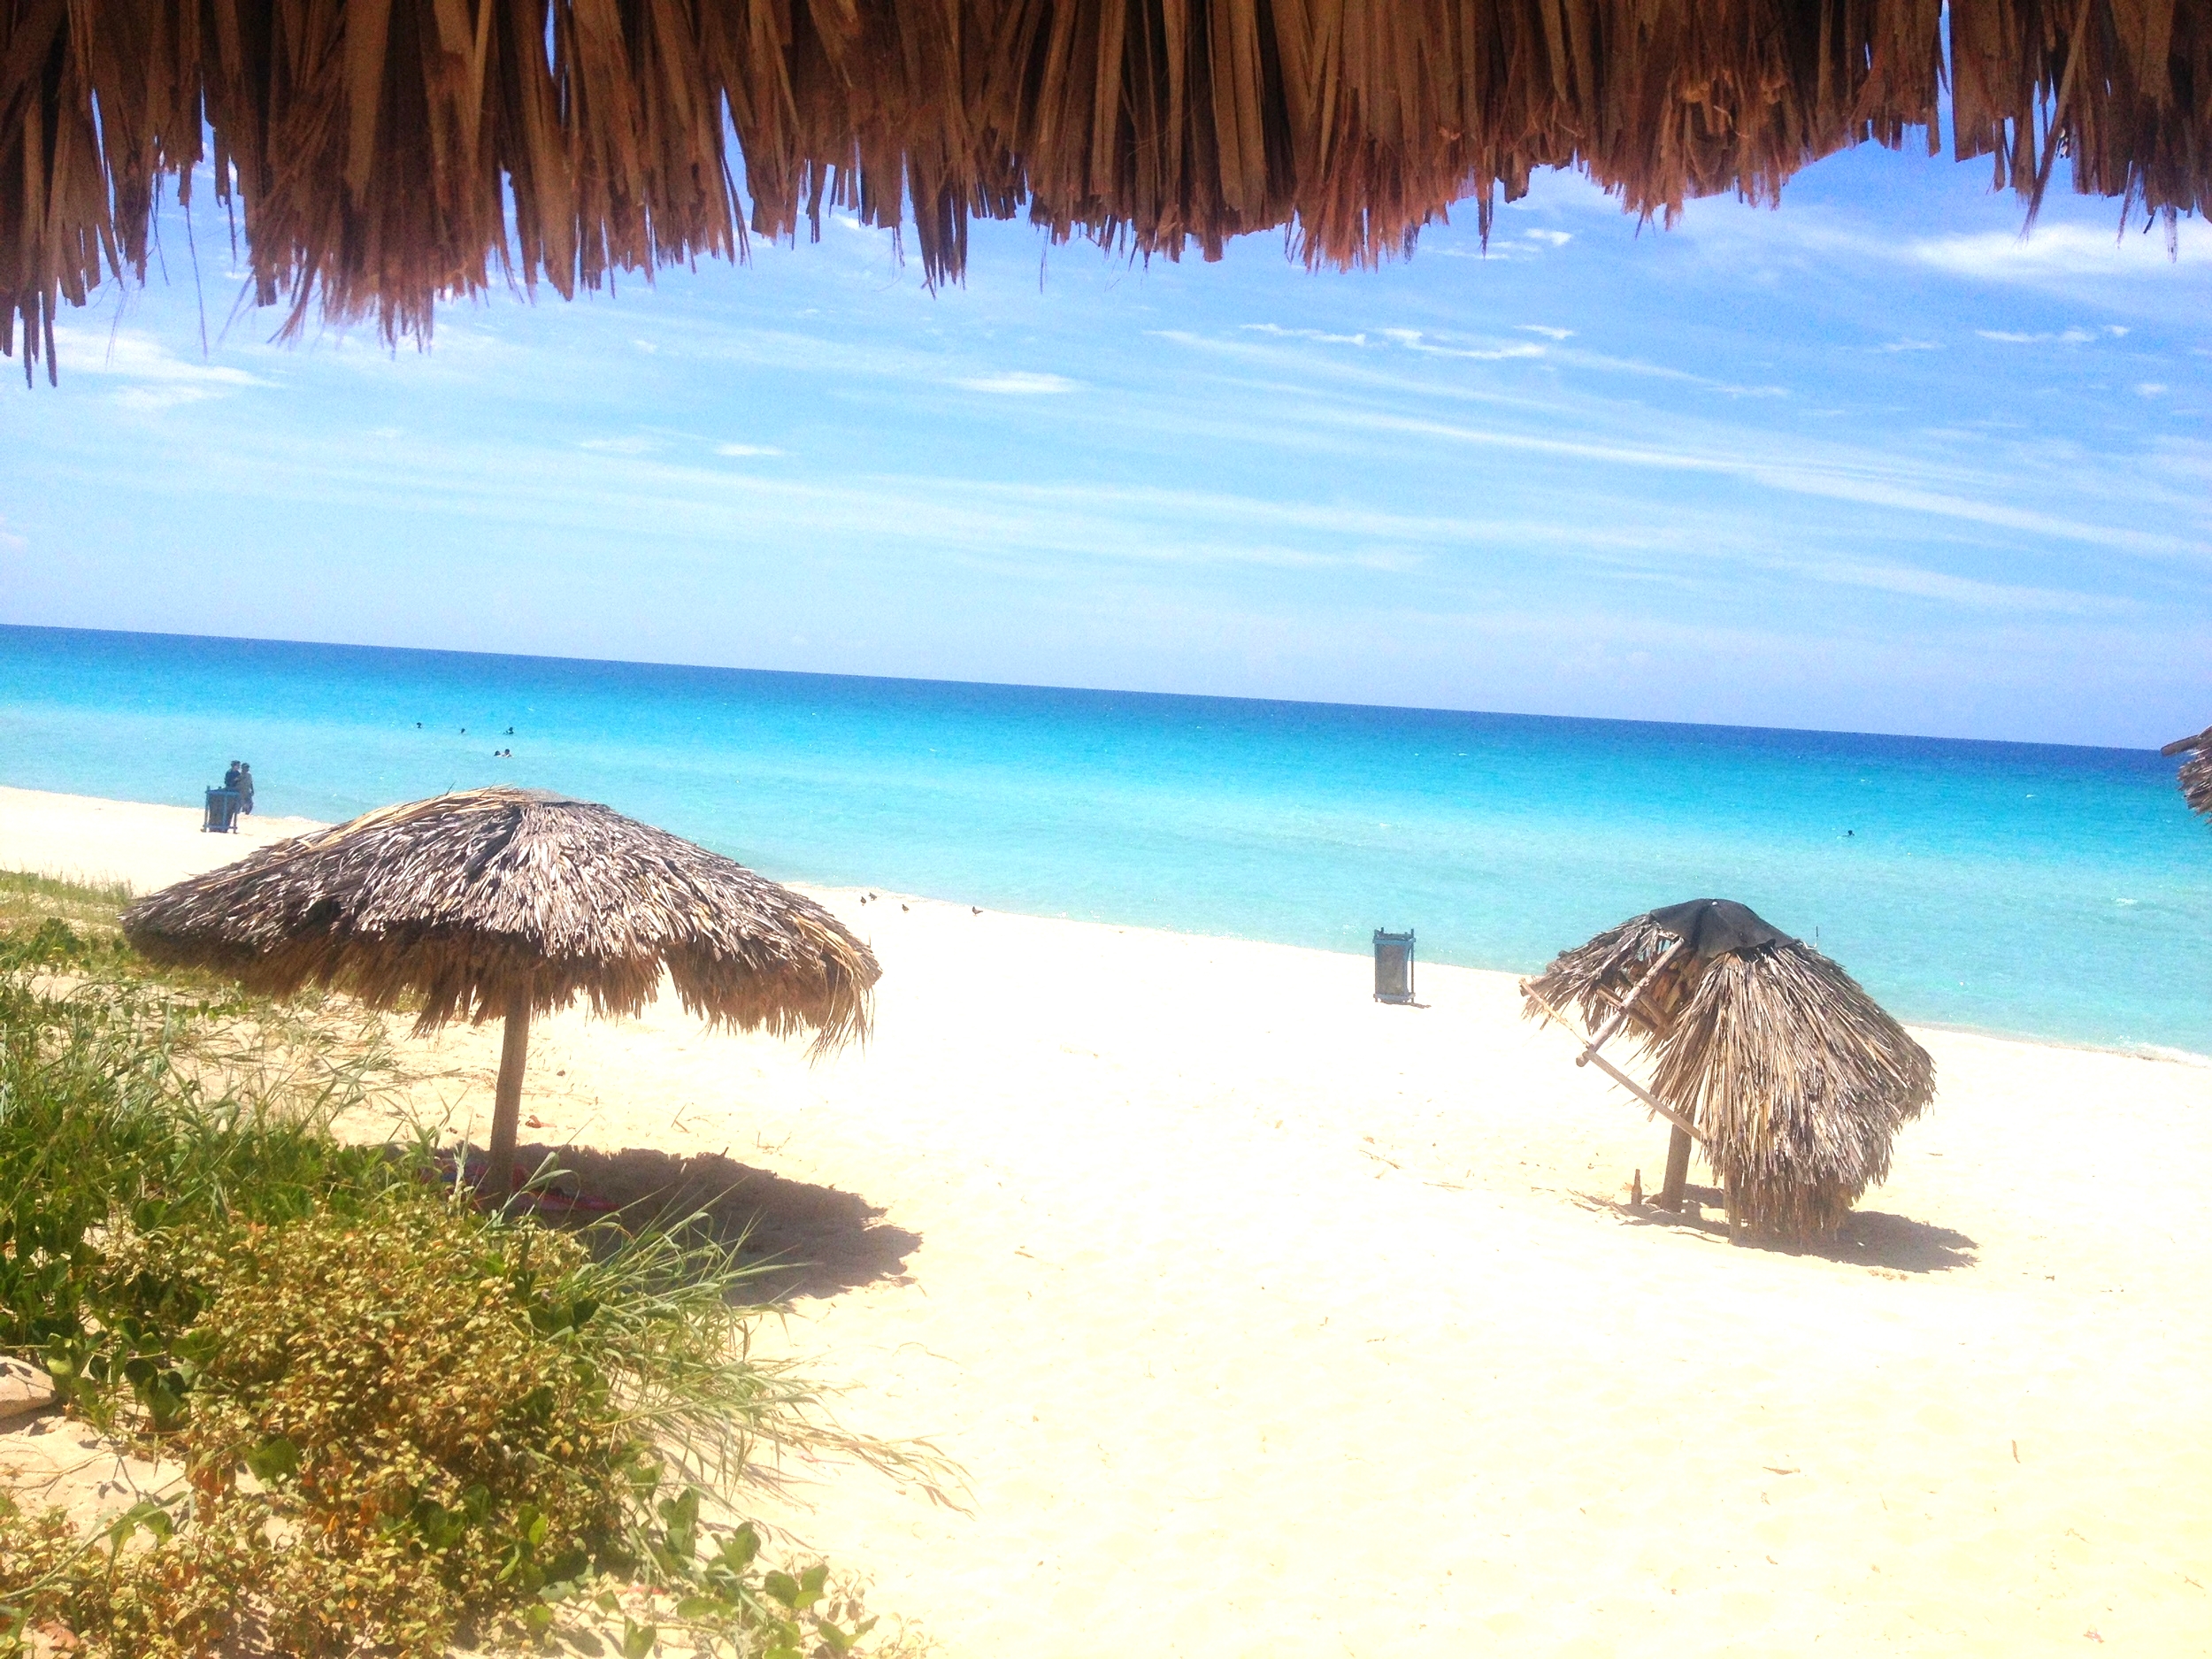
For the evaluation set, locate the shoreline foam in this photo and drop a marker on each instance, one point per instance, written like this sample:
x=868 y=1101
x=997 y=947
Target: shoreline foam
x=38 y=823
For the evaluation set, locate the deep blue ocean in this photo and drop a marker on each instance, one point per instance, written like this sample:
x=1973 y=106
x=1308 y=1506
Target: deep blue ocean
x=2042 y=891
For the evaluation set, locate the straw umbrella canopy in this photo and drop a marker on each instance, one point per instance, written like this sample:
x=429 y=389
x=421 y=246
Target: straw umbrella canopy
x=2196 y=769
x=1765 y=1050
x=376 y=156
x=500 y=904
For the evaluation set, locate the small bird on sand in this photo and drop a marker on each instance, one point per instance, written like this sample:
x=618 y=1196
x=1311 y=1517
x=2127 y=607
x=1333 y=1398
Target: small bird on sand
x=906 y=907
x=975 y=909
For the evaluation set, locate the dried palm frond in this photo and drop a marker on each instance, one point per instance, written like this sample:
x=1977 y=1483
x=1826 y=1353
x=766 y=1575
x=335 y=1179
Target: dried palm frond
x=2196 y=782
x=1793 y=1075
x=2196 y=771
x=472 y=898
x=385 y=153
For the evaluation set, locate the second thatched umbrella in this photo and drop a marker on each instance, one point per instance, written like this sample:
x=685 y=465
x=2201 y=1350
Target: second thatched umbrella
x=500 y=904
x=1793 y=1077
x=2196 y=771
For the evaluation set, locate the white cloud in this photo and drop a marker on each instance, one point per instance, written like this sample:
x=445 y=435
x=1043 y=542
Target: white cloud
x=1414 y=340
x=1477 y=351
x=1839 y=475
x=2190 y=462
x=2060 y=251
x=1531 y=243
x=2069 y=337
x=745 y=449
x=155 y=378
x=2151 y=388
x=1018 y=383
x=148 y=400
x=1326 y=339
x=1958 y=590
x=1477 y=354
x=619 y=446
x=10 y=539
x=1661 y=372
x=1912 y=345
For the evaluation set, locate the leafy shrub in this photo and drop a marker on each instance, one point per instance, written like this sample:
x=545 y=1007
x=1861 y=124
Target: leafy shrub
x=404 y=1422
x=176 y=1600
x=404 y=1389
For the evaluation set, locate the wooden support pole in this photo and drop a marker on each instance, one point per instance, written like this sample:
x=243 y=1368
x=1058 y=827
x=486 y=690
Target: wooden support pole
x=1684 y=1131
x=514 y=1053
x=1615 y=1074
x=1678 y=1187
x=1620 y=1011
x=1644 y=1095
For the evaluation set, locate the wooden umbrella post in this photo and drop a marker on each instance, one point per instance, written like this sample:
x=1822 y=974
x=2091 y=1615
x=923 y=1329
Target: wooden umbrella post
x=514 y=1053
x=1678 y=1183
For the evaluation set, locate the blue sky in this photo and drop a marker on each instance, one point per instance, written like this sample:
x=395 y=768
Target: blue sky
x=1870 y=461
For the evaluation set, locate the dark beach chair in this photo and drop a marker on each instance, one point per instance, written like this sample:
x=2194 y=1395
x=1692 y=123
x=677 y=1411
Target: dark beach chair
x=221 y=817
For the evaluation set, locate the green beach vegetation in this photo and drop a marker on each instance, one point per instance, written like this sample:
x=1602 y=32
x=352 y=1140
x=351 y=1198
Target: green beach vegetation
x=399 y=1422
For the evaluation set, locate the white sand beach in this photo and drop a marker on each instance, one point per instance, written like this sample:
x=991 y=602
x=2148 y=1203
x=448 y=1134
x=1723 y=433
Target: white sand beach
x=1270 y=1321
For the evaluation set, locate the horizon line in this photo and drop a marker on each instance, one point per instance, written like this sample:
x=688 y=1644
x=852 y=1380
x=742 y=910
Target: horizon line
x=1091 y=691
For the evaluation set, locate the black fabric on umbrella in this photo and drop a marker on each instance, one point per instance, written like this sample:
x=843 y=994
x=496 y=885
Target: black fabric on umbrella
x=1710 y=928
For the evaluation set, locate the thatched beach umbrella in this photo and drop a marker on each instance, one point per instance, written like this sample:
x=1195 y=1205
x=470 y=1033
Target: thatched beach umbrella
x=1792 y=1077
x=2196 y=771
x=499 y=903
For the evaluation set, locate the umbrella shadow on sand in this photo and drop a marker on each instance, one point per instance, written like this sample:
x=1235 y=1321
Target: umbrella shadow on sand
x=807 y=1240
x=1867 y=1238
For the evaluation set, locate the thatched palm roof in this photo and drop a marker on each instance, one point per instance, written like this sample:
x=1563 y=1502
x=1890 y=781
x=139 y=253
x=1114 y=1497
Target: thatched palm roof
x=380 y=153
x=1793 y=1075
x=2196 y=782
x=469 y=899
x=2196 y=769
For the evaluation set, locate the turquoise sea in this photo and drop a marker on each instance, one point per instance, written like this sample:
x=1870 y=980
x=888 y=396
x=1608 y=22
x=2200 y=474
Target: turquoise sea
x=2036 y=890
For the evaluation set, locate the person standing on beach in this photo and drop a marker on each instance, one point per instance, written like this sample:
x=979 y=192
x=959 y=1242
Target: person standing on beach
x=244 y=786
x=230 y=778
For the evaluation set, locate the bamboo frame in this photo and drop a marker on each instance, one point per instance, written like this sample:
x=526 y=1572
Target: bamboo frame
x=1605 y=1065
